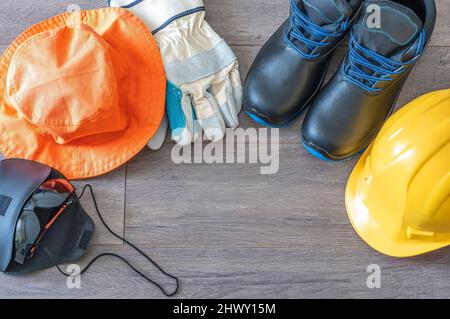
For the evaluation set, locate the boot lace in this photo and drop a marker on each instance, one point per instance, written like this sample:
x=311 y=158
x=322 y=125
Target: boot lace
x=367 y=69
x=307 y=32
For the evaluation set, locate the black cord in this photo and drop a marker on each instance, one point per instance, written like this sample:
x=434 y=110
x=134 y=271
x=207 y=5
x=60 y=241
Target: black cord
x=118 y=256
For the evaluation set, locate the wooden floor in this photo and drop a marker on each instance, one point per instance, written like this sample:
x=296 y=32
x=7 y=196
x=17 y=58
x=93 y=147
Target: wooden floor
x=226 y=230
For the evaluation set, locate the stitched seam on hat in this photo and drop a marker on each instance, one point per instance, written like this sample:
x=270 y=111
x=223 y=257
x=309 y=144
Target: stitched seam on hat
x=61 y=20
x=111 y=164
x=145 y=29
x=60 y=124
x=136 y=148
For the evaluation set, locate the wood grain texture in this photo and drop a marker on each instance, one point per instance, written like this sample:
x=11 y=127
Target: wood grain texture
x=318 y=271
x=15 y=17
x=226 y=230
x=253 y=21
x=109 y=192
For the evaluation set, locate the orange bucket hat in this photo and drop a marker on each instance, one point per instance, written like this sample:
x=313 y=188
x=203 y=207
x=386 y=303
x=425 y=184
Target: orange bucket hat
x=81 y=92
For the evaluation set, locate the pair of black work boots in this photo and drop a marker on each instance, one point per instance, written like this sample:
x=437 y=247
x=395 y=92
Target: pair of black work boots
x=387 y=37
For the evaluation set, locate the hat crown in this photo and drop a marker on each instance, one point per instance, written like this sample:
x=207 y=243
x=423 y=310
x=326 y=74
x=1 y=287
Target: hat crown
x=64 y=83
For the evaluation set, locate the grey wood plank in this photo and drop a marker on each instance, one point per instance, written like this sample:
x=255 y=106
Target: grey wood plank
x=249 y=22
x=233 y=205
x=189 y=204
x=301 y=209
x=109 y=192
x=213 y=226
x=17 y=16
x=241 y=22
x=310 y=271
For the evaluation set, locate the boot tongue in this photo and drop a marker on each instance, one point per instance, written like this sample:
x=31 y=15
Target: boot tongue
x=330 y=14
x=396 y=36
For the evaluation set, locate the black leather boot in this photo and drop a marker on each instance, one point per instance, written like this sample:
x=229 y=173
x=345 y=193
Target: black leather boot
x=351 y=109
x=289 y=70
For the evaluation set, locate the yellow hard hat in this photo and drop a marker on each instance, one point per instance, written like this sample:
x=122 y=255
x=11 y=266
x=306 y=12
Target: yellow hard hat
x=398 y=196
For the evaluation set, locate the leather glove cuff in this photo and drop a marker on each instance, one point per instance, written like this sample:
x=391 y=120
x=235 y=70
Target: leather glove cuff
x=157 y=14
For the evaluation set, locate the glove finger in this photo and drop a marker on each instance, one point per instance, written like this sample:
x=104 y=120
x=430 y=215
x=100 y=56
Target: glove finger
x=188 y=132
x=181 y=115
x=193 y=126
x=209 y=117
x=223 y=92
x=158 y=139
x=236 y=83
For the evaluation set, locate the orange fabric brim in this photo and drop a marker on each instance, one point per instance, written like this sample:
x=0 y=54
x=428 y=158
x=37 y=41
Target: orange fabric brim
x=99 y=154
